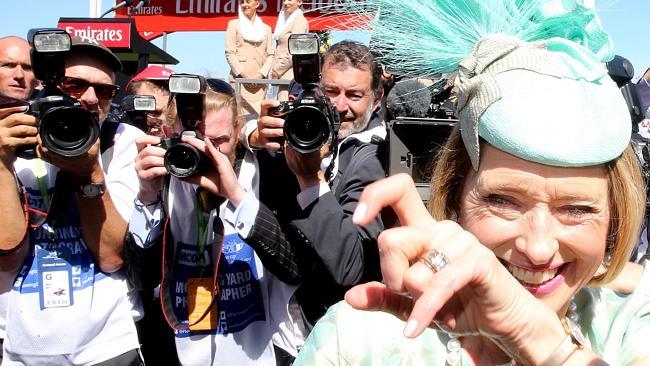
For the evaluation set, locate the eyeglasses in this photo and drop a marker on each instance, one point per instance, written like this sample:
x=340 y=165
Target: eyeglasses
x=220 y=86
x=76 y=87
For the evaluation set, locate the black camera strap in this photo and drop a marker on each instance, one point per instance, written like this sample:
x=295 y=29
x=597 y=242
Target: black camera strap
x=59 y=203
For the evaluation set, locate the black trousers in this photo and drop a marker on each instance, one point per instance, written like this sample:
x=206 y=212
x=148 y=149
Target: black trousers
x=156 y=337
x=282 y=357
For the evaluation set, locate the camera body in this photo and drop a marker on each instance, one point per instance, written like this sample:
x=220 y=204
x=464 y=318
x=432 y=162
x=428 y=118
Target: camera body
x=182 y=159
x=621 y=71
x=135 y=108
x=65 y=127
x=310 y=120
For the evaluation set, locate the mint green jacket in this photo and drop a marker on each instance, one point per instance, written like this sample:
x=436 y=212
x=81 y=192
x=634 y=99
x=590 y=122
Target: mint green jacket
x=616 y=327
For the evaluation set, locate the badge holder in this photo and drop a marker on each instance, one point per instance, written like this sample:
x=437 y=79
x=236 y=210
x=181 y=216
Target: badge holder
x=54 y=281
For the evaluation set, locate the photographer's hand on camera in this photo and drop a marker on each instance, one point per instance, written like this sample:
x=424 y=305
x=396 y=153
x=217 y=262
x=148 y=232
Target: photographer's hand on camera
x=269 y=130
x=306 y=167
x=150 y=167
x=82 y=169
x=16 y=129
x=220 y=178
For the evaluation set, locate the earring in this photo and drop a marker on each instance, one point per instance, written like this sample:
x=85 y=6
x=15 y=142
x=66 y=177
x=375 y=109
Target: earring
x=607 y=259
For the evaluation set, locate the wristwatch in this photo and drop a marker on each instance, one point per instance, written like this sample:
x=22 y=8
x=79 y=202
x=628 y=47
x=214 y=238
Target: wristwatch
x=91 y=190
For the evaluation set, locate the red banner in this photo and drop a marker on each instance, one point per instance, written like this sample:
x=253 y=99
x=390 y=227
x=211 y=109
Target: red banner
x=213 y=15
x=110 y=34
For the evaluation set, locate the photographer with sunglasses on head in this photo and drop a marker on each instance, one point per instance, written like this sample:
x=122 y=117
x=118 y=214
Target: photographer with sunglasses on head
x=224 y=306
x=65 y=213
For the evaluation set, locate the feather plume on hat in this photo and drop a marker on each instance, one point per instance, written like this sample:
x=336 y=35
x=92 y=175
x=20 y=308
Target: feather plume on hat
x=531 y=76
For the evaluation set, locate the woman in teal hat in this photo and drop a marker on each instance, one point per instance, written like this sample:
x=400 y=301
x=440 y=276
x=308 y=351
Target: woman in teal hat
x=536 y=201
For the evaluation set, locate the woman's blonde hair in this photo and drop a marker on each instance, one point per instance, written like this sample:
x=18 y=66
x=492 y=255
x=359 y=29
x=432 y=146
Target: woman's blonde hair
x=626 y=189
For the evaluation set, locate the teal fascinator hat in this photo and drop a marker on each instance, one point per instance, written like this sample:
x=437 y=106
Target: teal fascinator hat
x=531 y=74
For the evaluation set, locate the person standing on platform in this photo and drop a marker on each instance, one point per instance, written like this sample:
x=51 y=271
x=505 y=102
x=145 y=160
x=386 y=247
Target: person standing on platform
x=290 y=20
x=249 y=52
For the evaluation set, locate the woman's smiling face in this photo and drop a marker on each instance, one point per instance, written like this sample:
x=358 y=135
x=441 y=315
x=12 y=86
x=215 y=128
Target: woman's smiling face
x=249 y=7
x=548 y=225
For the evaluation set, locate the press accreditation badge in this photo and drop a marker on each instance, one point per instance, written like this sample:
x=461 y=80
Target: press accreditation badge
x=199 y=298
x=55 y=283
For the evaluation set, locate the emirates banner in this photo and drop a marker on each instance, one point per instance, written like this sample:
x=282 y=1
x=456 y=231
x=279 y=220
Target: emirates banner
x=110 y=34
x=213 y=15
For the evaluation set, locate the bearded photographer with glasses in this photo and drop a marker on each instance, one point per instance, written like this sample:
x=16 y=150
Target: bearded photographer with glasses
x=66 y=207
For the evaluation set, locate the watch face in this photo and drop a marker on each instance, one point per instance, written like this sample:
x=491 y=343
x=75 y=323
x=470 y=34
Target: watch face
x=92 y=190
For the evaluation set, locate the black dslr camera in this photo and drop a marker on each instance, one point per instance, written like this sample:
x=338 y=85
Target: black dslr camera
x=621 y=71
x=182 y=159
x=136 y=107
x=310 y=119
x=66 y=128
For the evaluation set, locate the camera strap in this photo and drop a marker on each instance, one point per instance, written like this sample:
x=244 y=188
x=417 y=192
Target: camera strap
x=168 y=260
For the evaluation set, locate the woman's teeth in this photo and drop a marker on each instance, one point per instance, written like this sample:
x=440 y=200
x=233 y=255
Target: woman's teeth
x=532 y=277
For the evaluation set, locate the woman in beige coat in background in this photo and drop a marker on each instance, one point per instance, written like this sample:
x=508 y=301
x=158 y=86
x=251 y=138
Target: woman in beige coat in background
x=249 y=52
x=291 y=20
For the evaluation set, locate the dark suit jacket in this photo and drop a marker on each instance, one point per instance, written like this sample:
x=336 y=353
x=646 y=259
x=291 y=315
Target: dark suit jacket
x=319 y=247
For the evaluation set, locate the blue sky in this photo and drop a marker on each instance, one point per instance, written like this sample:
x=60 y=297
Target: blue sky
x=202 y=52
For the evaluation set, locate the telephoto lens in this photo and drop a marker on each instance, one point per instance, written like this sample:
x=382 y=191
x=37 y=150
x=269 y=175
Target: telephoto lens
x=184 y=160
x=307 y=128
x=181 y=159
x=68 y=130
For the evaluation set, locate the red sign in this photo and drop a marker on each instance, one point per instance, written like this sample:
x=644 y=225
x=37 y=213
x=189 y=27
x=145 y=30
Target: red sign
x=110 y=34
x=213 y=15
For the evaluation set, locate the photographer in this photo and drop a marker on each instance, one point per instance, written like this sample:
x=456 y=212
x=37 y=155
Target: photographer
x=16 y=81
x=16 y=75
x=66 y=224
x=321 y=249
x=223 y=304
x=153 y=80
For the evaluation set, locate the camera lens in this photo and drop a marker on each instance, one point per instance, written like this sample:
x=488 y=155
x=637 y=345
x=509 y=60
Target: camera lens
x=183 y=160
x=307 y=129
x=68 y=131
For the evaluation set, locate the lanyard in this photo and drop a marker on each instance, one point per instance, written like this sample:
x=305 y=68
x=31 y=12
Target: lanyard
x=41 y=172
x=202 y=232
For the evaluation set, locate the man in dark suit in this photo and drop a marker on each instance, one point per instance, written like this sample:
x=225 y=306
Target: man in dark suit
x=320 y=249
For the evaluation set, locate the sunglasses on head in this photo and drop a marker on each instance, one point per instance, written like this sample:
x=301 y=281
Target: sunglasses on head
x=76 y=87
x=220 y=86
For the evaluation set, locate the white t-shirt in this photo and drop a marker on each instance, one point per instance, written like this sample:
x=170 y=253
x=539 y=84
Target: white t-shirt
x=62 y=309
x=252 y=305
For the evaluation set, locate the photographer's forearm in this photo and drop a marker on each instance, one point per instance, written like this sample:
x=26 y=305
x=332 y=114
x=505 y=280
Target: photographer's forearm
x=309 y=181
x=102 y=226
x=12 y=216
